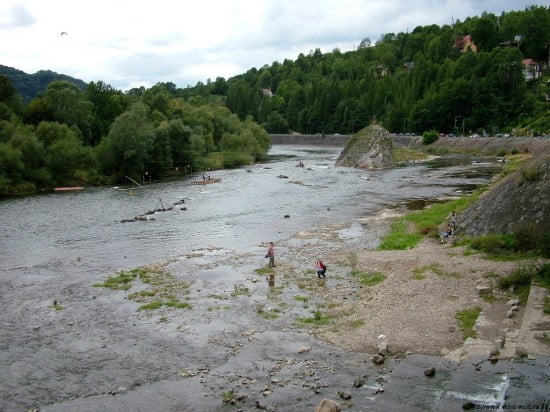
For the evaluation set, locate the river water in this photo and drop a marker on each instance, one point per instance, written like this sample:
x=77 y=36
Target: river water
x=55 y=246
x=246 y=208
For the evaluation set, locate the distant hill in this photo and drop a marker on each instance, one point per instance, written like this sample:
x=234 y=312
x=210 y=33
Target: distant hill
x=29 y=85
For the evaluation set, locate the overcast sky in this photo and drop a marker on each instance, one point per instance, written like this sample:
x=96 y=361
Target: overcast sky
x=132 y=43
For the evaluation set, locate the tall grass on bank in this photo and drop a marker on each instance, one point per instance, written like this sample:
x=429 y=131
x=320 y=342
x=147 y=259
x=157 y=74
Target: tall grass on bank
x=409 y=230
x=519 y=281
x=526 y=241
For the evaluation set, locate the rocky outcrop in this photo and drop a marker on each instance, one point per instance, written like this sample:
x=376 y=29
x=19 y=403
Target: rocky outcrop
x=520 y=199
x=371 y=148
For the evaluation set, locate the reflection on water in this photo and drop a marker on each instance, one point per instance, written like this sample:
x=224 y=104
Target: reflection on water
x=247 y=207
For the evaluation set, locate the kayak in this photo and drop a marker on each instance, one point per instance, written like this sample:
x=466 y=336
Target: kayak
x=67 y=189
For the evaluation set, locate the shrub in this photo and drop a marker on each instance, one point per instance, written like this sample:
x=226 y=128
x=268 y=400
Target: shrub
x=429 y=137
x=530 y=172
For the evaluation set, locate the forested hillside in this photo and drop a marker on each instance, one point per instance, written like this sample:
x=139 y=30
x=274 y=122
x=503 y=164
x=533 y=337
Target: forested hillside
x=464 y=77
x=30 y=85
x=486 y=74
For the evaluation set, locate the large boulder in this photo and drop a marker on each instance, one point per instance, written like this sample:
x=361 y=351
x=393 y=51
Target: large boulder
x=520 y=199
x=371 y=148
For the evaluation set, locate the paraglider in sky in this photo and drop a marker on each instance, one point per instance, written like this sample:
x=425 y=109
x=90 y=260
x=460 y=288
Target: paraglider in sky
x=64 y=33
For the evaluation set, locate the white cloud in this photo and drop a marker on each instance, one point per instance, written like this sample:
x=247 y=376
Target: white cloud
x=131 y=43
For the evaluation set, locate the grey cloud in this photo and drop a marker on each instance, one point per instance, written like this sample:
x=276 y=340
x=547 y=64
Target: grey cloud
x=17 y=16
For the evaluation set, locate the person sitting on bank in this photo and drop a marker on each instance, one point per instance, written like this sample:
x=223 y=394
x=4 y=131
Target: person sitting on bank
x=321 y=268
x=445 y=235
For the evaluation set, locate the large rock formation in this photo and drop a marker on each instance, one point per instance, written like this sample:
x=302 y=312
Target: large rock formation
x=371 y=148
x=520 y=199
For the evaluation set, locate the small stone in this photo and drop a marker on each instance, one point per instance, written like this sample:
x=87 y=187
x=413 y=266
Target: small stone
x=383 y=348
x=345 y=395
x=452 y=329
x=378 y=359
x=429 y=372
x=468 y=406
x=327 y=405
x=510 y=313
x=512 y=302
x=483 y=290
x=494 y=352
x=499 y=343
x=358 y=382
x=287 y=216
x=304 y=349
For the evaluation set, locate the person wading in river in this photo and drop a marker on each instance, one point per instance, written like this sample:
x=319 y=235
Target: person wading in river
x=271 y=255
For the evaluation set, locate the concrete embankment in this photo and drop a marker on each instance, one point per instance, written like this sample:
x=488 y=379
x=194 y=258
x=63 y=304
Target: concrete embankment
x=491 y=145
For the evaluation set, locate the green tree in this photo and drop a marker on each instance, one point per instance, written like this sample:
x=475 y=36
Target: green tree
x=67 y=104
x=125 y=149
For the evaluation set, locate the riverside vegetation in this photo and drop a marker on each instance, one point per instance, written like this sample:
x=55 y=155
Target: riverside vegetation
x=67 y=132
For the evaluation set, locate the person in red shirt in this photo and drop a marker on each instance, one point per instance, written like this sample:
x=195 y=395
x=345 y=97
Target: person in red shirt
x=321 y=268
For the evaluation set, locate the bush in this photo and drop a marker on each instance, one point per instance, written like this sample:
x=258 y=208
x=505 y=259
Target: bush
x=429 y=137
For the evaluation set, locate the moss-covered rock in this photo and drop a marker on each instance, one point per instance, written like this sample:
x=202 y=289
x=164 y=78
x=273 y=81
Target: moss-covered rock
x=371 y=148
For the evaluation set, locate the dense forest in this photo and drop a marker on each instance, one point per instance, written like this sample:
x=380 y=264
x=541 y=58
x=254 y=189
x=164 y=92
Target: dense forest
x=464 y=77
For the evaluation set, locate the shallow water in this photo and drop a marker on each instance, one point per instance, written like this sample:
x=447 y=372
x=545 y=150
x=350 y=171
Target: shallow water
x=246 y=208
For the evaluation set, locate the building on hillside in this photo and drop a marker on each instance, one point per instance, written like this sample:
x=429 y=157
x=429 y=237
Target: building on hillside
x=408 y=66
x=531 y=69
x=267 y=92
x=465 y=43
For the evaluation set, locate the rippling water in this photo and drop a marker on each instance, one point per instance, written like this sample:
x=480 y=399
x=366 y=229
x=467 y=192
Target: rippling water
x=246 y=208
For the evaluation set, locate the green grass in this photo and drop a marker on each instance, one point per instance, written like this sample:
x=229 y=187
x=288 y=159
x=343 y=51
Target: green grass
x=57 y=306
x=157 y=304
x=546 y=306
x=122 y=281
x=527 y=241
x=419 y=272
x=520 y=280
x=368 y=278
x=356 y=323
x=229 y=396
x=264 y=271
x=317 y=319
x=407 y=231
x=239 y=290
x=467 y=319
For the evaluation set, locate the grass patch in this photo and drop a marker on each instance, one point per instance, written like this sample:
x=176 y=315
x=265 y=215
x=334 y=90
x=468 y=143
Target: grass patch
x=240 y=290
x=122 y=281
x=141 y=294
x=546 y=306
x=57 y=306
x=229 y=396
x=519 y=282
x=157 y=304
x=264 y=271
x=270 y=313
x=217 y=307
x=408 y=230
x=467 y=319
x=303 y=299
x=317 y=319
x=357 y=323
x=368 y=278
x=526 y=241
x=217 y=296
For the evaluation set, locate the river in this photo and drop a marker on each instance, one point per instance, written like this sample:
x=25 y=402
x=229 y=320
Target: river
x=55 y=246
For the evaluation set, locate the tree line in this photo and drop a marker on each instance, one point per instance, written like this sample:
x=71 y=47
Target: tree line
x=410 y=82
x=101 y=135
